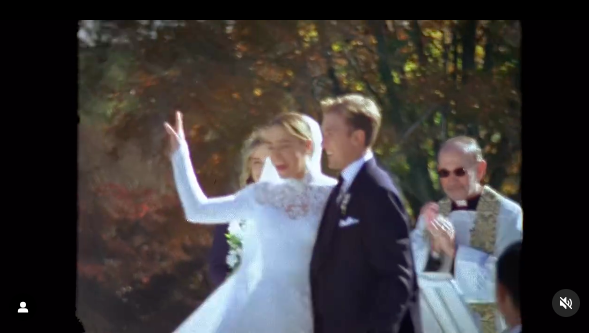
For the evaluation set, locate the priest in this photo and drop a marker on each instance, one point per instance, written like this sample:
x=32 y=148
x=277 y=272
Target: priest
x=465 y=232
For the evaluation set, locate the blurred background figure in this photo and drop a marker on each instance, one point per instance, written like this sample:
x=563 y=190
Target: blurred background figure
x=508 y=293
x=253 y=155
x=141 y=267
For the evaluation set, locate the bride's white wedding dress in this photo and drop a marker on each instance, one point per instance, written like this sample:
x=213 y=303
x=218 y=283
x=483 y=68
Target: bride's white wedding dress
x=269 y=292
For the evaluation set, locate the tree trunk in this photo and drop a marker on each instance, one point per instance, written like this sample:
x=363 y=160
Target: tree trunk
x=444 y=123
x=415 y=205
x=419 y=179
x=455 y=42
x=416 y=35
x=517 y=75
x=489 y=49
x=446 y=54
x=469 y=29
x=499 y=162
x=384 y=70
x=326 y=52
x=354 y=65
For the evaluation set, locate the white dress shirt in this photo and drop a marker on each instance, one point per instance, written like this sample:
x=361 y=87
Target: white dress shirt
x=349 y=173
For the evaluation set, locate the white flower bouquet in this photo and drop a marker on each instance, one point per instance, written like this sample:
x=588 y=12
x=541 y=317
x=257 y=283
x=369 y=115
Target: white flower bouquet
x=234 y=239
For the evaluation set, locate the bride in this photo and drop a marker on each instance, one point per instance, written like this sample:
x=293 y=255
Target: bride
x=270 y=290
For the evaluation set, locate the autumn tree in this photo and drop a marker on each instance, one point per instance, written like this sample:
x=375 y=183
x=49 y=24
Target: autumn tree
x=141 y=267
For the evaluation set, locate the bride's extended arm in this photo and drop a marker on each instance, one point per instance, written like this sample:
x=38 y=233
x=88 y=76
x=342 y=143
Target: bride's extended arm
x=197 y=207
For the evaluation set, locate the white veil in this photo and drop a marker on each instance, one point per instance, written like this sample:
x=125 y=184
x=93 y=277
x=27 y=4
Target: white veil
x=269 y=172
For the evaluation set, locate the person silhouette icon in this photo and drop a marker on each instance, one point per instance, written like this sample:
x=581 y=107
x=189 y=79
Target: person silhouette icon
x=23 y=308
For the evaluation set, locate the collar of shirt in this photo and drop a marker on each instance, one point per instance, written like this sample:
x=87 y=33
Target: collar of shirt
x=349 y=173
x=469 y=204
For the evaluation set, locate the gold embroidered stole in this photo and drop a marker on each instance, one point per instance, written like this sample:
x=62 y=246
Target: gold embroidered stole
x=482 y=237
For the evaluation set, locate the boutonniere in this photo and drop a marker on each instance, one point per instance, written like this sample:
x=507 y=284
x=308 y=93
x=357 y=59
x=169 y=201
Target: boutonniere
x=345 y=201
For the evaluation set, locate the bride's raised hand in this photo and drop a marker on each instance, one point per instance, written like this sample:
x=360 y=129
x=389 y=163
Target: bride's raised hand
x=176 y=133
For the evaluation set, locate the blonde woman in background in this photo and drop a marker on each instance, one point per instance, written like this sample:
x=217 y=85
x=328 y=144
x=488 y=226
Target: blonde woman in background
x=222 y=260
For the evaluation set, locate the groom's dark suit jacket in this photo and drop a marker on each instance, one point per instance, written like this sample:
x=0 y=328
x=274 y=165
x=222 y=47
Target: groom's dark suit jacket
x=363 y=278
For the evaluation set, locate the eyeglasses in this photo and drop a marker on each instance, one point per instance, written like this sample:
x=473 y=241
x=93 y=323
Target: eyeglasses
x=444 y=173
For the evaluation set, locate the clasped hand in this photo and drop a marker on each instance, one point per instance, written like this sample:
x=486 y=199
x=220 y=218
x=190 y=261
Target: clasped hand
x=440 y=229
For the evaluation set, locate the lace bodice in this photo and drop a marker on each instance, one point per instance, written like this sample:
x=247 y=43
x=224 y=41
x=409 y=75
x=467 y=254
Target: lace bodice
x=296 y=199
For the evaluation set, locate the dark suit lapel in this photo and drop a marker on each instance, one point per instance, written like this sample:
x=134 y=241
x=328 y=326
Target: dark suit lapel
x=328 y=222
x=354 y=188
x=331 y=218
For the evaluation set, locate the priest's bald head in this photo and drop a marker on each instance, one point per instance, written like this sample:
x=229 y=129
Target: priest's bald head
x=461 y=168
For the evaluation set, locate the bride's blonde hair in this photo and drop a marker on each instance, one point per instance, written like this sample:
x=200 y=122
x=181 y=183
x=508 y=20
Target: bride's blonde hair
x=252 y=143
x=294 y=124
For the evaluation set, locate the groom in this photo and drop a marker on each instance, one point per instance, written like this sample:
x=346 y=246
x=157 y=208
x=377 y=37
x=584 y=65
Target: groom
x=362 y=273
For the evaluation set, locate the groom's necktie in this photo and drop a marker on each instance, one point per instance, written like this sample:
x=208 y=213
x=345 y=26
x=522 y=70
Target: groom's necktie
x=340 y=189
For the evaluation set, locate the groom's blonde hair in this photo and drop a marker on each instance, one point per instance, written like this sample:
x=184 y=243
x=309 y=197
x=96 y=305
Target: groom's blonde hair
x=360 y=112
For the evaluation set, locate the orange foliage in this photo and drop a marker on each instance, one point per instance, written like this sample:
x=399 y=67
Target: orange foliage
x=128 y=204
